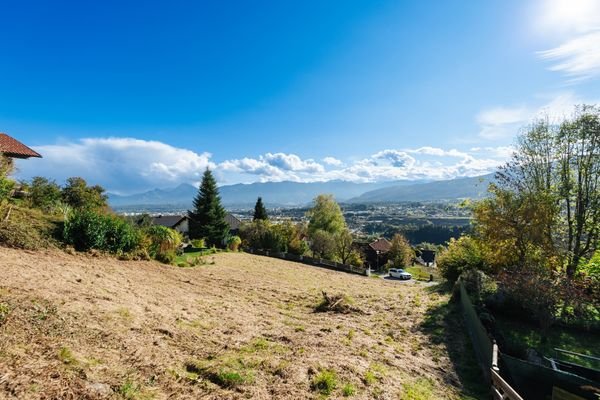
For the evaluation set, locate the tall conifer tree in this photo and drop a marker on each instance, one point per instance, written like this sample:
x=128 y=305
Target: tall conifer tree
x=260 y=212
x=207 y=220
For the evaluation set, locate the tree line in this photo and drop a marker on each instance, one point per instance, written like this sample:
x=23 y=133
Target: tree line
x=537 y=234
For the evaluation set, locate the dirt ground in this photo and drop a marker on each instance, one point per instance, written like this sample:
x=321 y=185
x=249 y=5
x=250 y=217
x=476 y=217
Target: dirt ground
x=241 y=326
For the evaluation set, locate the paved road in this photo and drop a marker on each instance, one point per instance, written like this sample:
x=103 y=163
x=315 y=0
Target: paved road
x=409 y=281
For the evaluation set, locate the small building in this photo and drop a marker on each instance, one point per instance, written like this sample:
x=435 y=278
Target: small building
x=234 y=223
x=181 y=223
x=374 y=253
x=428 y=257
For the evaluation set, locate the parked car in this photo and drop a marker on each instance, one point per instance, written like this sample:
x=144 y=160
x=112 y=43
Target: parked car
x=399 y=273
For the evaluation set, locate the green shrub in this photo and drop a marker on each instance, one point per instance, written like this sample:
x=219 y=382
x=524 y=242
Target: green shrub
x=199 y=243
x=233 y=243
x=348 y=390
x=325 y=382
x=26 y=228
x=86 y=230
x=162 y=242
x=6 y=188
x=462 y=254
x=167 y=257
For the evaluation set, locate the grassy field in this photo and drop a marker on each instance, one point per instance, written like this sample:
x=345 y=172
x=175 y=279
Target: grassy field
x=422 y=273
x=77 y=326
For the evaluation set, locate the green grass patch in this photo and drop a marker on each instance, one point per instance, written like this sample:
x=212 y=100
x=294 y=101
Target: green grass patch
x=324 y=382
x=370 y=378
x=422 y=273
x=421 y=389
x=194 y=258
x=227 y=373
x=66 y=356
x=348 y=390
x=131 y=390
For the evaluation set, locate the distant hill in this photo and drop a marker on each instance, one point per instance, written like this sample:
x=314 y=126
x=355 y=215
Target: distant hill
x=288 y=194
x=274 y=193
x=454 y=189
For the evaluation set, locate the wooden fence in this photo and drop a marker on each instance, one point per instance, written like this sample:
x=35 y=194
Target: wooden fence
x=317 y=262
x=533 y=381
x=486 y=351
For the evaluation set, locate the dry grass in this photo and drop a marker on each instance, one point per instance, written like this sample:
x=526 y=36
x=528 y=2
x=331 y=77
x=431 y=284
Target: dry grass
x=82 y=327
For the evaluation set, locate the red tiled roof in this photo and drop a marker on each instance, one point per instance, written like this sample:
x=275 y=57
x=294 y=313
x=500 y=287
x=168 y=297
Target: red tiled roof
x=381 y=245
x=13 y=148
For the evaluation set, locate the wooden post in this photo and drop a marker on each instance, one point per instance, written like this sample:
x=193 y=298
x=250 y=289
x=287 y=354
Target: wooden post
x=495 y=357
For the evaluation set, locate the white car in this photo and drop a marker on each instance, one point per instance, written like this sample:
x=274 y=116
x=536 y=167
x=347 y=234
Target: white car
x=399 y=273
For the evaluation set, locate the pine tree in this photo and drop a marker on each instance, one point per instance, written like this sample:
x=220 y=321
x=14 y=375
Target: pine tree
x=207 y=220
x=260 y=212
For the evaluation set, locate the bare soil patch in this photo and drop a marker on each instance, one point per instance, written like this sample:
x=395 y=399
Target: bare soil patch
x=83 y=327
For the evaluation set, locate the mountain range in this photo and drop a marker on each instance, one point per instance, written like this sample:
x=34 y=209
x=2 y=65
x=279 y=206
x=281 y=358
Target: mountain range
x=282 y=194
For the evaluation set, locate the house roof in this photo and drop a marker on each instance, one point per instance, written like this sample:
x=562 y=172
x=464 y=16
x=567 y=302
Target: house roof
x=169 y=221
x=11 y=147
x=428 y=255
x=233 y=222
x=382 y=245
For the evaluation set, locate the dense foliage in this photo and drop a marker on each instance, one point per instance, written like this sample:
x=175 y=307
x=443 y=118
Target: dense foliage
x=6 y=184
x=162 y=242
x=325 y=215
x=537 y=234
x=401 y=253
x=260 y=212
x=463 y=254
x=207 y=219
x=79 y=195
x=86 y=230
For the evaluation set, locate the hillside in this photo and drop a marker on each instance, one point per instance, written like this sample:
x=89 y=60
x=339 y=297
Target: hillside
x=75 y=327
x=455 y=189
x=276 y=194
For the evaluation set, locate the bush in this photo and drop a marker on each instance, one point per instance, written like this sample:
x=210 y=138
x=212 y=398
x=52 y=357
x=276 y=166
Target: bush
x=6 y=188
x=162 y=243
x=167 y=257
x=262 y=235
x=325 y=382
x=461 y=255
x=26 y=229
x=44 y=194
x=233 y=243
x=199 y=243
x=86 y=230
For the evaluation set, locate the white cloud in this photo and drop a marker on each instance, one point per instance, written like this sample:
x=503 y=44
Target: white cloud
x=500 y=152
x=506 y=122
x=577 y=25
x=274 y=167
x=120 y=164
x=578 y=57
x=397 y=158
x=502 y=122
x=291 y=162
x=503 y=115
x=125 y=165
x=567 y=16
x=436 y=151
x=332 y=161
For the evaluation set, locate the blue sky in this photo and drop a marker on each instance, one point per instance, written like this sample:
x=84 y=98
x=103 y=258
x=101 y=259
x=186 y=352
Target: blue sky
x=147 y=94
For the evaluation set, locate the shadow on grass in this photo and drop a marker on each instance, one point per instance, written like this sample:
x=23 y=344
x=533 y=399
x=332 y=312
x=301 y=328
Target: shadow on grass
x=444 y=324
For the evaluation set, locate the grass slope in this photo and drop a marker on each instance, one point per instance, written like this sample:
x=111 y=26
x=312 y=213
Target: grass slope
x=244 y=327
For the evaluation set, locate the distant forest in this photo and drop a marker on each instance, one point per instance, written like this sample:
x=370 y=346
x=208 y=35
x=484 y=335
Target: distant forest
x=431 y=233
